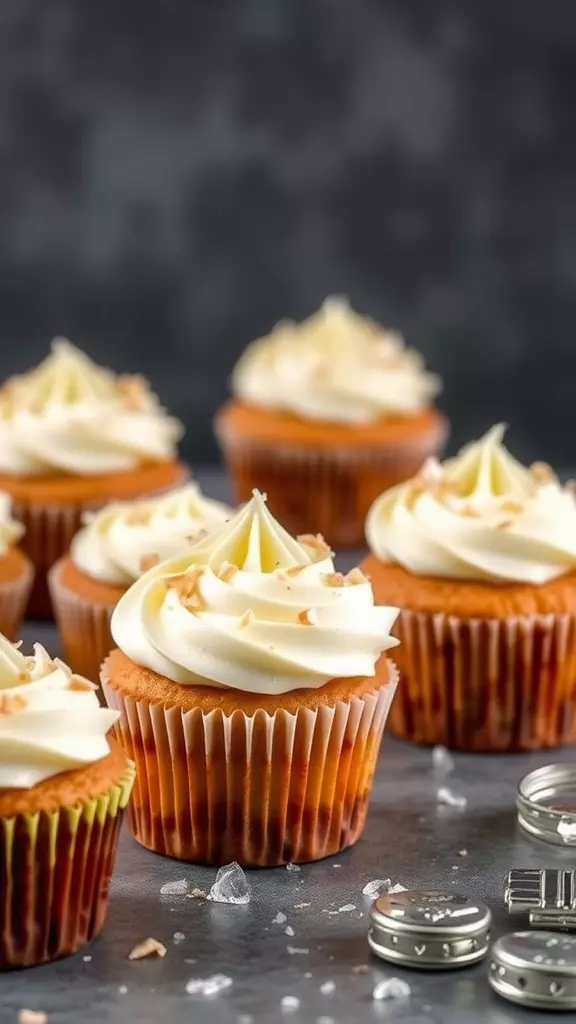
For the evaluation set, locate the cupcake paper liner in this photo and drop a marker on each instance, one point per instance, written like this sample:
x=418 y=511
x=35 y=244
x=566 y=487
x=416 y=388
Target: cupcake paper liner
x=325 y=489
x=55 y=869
x=262 y=790
x=14 y=596
x=83 y=625
x=486 y=684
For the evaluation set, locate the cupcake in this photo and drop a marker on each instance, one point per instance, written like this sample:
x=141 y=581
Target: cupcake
x=16 y=572
x=74 y=436
x=325 y=415
x=63 y=788
x=112 y=550
x=253 y=693
x=480 y=555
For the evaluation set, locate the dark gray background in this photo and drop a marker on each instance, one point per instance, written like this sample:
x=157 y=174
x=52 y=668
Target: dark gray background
x=176 y=176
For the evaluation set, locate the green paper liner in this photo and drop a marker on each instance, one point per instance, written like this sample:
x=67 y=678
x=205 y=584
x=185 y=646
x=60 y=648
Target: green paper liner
x=55 y=870
x=262 y=790
x=83 y=625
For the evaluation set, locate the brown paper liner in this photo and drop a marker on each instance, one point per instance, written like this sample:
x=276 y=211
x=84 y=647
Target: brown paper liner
x=486 y=685
x=324 y=490
x=83 y=625
x=263 y=790
x=49 y=532
x=14 y=596
x=55 y=869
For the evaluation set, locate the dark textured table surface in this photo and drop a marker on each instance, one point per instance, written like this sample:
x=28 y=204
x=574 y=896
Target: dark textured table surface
x=409 y=838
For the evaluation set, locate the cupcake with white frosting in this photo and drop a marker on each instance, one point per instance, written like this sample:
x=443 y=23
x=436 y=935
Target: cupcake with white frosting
x=63 y=788
x=324 y=416
x=480 y=554
x=74 y=436
x=16 y=572
x=253 y=690
x=113 y=549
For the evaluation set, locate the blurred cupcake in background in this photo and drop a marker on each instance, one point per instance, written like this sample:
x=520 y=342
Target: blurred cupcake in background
x=74 y=436
x=325 y=415
x=253 y=691
x=16 y=572
x=63 y=788
x=480 y=555
x=112 y=550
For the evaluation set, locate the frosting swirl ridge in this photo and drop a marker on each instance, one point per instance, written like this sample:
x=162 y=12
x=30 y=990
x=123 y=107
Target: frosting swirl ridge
x=253 y=609
x=69 y=415
x=479 y=516
x=335 y=366
x=116 y=543
x=50 y=719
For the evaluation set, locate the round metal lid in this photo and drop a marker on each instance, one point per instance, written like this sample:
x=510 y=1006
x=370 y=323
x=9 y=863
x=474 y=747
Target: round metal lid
x=546 y=803
x=536 y=969
x=428 y=928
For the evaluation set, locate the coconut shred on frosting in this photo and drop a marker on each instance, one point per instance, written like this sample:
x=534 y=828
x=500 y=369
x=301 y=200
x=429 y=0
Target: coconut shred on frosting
x=10 y=529
x=480 y=516
x=117 y=544
x=50 y=719
x=252 y=608
x=336 y=366
x=71 y=416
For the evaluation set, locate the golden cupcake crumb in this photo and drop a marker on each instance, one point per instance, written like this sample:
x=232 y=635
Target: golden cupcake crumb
x=32 y=1017
x=149 y=947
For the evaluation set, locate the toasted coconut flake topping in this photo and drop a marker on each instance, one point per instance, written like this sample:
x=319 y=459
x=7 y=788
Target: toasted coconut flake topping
x=187 y=586
x=227 y=572
x=10 y=703
x=316 y=543
x=149 y=561
x=308 y=617
x=149 y=947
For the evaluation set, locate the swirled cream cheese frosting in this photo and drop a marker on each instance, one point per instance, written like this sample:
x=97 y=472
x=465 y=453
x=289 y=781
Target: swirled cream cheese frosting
x=71 y=416
x=479 y=516
x=336 y=366
x=10 y=529
x=50 y=719
x=252 y=608
x=120 y=542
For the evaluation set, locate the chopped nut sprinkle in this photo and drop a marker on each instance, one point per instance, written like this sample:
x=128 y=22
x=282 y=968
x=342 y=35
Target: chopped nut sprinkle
x=355 y=576
x=505 y=525
x=197 y=894
x=307 y=617
x=149 y=561
x=247 y=619
x=542 y=473
x=316 y=543
x=80 y=685
x=360 y=969
x=187 y=586
x=132 y=391
x=293 y=571
x=32 y=1017
x=149 y=947
x=138 y=517
x=515 y=507
x=333 y=579
x=10 y=703
x=227 y=572
x=469 y=512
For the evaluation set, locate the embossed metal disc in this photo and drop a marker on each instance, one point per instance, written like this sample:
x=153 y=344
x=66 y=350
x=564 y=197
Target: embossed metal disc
x=536 y=969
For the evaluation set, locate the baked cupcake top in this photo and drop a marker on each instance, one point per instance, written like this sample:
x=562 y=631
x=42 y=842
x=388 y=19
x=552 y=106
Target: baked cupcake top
x=336 y=366
x=252 y=608
x=50 y=719
x=69 y=415
x=124 y=539
x=10 y=529
x=479 y=516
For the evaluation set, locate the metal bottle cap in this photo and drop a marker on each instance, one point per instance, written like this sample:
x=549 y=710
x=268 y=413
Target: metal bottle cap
x=429 y=929
x=536 y=969
x=546 y=803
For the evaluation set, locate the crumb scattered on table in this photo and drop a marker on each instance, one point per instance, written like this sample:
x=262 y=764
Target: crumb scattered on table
x=149 y=947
